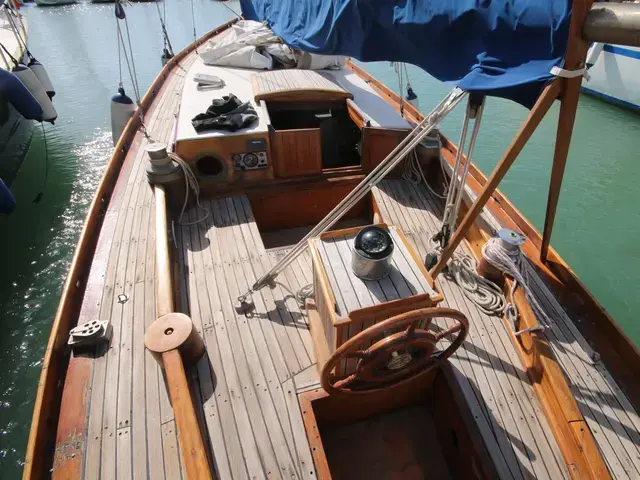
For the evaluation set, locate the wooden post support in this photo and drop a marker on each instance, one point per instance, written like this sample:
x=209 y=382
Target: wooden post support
x=537 y=113
x=575 y=59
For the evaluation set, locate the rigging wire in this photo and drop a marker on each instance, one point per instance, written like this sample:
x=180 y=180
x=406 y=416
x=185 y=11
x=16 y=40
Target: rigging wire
x=15 y=62
x=40 y=194
x=14 y=28
x=397 y=66
x=224 y=4
x=193 y=22
x=133 y=63
x=163 y=18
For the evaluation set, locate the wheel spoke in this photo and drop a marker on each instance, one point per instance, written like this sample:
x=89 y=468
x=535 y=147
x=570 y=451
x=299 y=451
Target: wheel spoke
x=449 y=331
x=357 y=354
x=345 y=381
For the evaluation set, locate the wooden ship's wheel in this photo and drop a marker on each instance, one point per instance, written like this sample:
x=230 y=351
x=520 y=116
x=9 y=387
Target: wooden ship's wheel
x=397 y=357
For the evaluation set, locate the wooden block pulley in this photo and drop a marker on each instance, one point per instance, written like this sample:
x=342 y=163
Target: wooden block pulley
x=175 y=331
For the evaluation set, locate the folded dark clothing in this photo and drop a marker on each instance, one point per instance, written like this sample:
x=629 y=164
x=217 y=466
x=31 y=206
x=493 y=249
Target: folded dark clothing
x=240 y=117
x=223 y=105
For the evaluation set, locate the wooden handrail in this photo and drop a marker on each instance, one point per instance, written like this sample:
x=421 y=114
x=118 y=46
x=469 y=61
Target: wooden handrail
x=192 y=447
x=164 y=289
x=187 y=425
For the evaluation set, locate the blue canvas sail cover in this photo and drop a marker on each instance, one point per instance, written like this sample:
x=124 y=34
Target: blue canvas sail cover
x=504 y=48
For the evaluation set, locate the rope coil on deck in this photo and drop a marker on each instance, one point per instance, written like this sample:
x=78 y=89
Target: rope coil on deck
x=511 y=263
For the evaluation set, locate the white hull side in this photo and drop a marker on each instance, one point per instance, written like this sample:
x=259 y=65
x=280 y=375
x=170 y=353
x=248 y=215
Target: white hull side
x=615 y=76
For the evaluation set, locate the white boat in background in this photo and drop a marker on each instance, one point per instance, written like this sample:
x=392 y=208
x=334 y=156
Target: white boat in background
x=53 y=3
x=614 y=74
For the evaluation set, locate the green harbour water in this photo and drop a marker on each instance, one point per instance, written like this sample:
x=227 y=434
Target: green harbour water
x=597 y=228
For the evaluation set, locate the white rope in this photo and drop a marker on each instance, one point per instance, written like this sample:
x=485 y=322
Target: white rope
x=191 y=182
x=511 y=263
x=303 y=293
x=414 y=174
x=484 y=293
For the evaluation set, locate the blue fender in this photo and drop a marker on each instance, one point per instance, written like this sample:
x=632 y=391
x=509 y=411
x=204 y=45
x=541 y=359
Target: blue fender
x=19 y=96
x=7 y=202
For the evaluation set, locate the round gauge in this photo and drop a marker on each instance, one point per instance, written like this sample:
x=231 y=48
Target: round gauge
x=236 y=157
x=251 y=160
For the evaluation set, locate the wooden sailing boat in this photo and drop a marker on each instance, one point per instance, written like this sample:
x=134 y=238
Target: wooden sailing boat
x=400 y=375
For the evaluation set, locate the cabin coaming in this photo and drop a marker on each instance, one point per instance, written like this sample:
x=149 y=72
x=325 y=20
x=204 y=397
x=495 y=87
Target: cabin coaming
x=246 y=390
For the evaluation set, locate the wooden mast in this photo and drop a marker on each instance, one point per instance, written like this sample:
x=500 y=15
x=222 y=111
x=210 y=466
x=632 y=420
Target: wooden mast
x=576 y=54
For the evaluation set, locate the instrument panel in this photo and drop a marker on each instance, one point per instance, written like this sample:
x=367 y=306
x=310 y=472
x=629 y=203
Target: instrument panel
x=250 y=161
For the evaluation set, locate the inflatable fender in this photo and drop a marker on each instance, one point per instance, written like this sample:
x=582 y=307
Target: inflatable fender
x=7 y=202
x=30 y=81
x=122 y=108
x=41 y=74
x=19 y=96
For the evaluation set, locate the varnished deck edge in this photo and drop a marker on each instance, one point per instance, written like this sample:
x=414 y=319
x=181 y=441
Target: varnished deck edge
x=39 y=453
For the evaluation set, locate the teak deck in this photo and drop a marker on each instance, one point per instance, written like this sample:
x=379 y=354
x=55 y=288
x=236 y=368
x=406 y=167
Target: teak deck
x=505 y=402
x=116 y=419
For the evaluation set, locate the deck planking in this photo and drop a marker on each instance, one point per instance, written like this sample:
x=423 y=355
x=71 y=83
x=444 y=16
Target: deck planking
x=129 y=428
x=517 y=435
x=247 y=383
x=609 y=414
x=258 y=430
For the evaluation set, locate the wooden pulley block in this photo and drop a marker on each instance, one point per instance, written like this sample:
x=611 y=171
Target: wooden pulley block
x=174 y=331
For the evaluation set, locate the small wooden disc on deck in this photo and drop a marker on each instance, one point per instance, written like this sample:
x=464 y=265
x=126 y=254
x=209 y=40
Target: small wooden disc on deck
x=174 y=331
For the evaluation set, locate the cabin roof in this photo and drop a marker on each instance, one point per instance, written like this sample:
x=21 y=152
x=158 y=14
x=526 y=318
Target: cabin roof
x=239 y=81
x=194 y=101
x=292 y=85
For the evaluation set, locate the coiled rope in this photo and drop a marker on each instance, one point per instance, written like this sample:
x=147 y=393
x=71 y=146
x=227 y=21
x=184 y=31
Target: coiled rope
x=191 y=183
x=484 y=293
x=414 y=174
x=511 y=262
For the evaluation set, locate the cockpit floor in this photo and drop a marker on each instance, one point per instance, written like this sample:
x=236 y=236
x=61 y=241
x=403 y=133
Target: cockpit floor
x=400 y=444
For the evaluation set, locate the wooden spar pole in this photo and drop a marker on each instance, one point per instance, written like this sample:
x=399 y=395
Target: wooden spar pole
x=576 y=54
x=537 y=113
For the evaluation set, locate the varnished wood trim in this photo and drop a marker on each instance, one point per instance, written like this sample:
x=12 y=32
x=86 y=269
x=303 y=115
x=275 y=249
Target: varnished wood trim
x=47 y=403
x=356 y=114
x=575 y=59
x=313 y=432
x=164 y=288
x=556 y=398
x=194 y=454
x=323 y=278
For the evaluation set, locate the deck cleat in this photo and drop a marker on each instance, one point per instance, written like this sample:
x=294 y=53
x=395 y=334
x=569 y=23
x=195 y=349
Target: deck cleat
x=244 y=305
x=90 y=333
